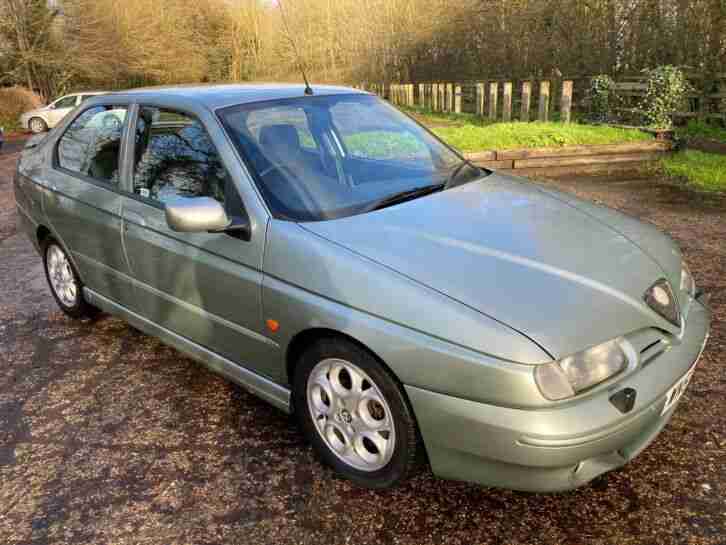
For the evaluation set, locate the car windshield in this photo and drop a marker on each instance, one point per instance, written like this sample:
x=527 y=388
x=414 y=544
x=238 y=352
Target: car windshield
x=327 y=157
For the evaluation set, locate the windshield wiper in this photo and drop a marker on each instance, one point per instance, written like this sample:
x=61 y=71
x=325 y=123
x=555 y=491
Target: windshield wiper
x=407 y=195
x=457 y=170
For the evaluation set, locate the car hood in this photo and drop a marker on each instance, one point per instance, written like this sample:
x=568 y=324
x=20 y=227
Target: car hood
x=565 y=273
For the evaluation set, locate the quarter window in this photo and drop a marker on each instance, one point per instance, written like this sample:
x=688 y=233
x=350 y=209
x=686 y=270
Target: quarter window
x=174 y=157
x=92 y=143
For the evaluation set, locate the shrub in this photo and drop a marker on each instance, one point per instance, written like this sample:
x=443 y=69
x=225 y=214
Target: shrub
x=603 y=98
x=666 y=92
x=13 y=102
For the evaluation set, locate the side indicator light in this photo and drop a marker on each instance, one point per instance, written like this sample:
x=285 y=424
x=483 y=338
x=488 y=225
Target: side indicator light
x=273 y=325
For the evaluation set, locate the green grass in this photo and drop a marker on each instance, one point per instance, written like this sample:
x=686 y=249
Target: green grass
x=534 y=135
x=384 y=145
x=701 y=129
x=429 y=118
x=469 y=132
x=704 y=171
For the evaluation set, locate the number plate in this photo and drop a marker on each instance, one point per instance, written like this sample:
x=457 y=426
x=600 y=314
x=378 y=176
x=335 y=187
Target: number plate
x=675 y=393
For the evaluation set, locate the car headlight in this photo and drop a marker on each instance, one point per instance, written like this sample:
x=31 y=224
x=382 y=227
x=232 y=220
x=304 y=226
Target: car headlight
x=661 y=299
x=688 y=284
x=573 y=374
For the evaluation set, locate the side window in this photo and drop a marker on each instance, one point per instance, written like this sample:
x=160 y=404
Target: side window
x=84 y=98
x=65 y=102
x=92 y=143
x=174 y=157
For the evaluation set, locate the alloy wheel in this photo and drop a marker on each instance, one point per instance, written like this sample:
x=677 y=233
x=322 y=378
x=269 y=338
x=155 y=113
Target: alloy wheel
x=37 y=125
x=351 y=415
x=61 y=276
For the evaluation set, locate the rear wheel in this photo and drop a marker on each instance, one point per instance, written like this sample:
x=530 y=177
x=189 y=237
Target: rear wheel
x=64 y=282
x=37 y=125
x=355 y=414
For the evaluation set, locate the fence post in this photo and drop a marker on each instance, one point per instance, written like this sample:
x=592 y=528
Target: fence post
x=442 y=97
x=507 y=102
x=526 y=100
x=566 y=102
x=493 y=93
x=457 y=99
x=450 y=97
x=411 y=101
x=480 y=99
x=422 y=95
x=544 y=100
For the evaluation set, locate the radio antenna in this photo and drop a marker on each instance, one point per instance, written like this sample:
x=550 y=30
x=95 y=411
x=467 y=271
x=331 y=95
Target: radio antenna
x=288 y=35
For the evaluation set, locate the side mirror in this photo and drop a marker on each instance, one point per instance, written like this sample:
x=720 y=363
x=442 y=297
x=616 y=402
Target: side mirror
x=196 y=215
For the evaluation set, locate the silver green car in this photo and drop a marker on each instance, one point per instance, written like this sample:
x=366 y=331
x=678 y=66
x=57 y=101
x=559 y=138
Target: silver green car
x=333 y=257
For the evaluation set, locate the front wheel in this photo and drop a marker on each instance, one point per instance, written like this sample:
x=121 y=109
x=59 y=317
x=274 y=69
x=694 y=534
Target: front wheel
x=355 y=415
x=37 y=125
x=64 y=282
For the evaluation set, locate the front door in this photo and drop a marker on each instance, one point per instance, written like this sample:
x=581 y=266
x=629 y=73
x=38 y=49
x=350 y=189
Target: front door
x=203 y=286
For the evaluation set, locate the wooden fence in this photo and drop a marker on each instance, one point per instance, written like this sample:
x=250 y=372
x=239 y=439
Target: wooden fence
x=544 y=100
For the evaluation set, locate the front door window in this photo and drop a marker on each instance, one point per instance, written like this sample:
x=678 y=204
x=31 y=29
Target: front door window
x=174 y=157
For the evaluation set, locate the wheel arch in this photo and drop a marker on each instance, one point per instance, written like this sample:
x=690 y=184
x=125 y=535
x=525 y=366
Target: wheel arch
x=306 y=338
x=43 y=233
x=42 y=118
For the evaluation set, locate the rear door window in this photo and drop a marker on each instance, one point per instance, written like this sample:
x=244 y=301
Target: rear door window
x=92 y=143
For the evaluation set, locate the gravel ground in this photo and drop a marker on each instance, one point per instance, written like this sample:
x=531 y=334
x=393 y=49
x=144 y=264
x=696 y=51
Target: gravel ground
x=108 y=436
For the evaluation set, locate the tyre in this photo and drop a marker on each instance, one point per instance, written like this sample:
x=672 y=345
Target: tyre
x=37 y=125
x=64 y=282
x=355 y=415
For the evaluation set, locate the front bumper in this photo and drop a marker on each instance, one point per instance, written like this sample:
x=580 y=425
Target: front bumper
x=559 y=448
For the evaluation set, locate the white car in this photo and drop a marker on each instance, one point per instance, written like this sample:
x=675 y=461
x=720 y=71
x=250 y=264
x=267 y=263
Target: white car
x=49 y=116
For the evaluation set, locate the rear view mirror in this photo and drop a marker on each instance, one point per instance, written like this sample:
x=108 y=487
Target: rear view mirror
x=196 y=215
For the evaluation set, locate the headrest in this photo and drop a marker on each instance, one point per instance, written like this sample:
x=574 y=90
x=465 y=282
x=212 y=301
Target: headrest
x=283 y=137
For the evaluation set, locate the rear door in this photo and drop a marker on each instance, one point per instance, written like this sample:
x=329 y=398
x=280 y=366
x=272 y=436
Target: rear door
x=203 y=286
x=82 y=200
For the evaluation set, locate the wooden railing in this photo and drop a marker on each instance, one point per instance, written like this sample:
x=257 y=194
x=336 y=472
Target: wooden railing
x=544 y=100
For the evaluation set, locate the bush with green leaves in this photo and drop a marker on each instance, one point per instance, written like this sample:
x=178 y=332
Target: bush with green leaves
x=666 y=92
x=603 y=98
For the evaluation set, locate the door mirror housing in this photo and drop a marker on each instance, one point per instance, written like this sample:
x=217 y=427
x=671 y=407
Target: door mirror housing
x=196 y=215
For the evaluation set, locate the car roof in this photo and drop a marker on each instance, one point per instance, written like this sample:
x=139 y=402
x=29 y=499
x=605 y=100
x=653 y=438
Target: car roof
x=218 y=96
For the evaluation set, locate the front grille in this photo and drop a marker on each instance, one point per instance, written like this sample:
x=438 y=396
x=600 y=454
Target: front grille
x=649 y=344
